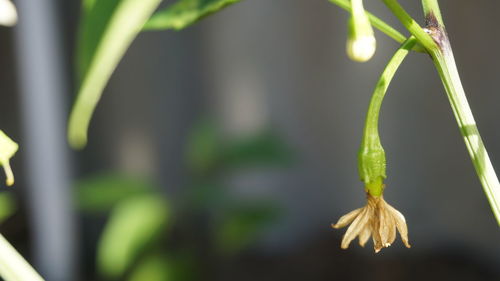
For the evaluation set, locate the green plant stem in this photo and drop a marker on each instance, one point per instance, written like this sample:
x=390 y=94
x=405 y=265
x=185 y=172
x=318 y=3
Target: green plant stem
x=432 y=6
x=371 y=157
x=379 y=24
x=412 y=26
x=446 y=66
x=371 y=124
x=438 y=46
x=13 y=267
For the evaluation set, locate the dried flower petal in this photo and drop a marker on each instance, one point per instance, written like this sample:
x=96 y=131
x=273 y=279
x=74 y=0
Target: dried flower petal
x=347 y=219
x=378 y=220
x=364 y=236
x=356 y=227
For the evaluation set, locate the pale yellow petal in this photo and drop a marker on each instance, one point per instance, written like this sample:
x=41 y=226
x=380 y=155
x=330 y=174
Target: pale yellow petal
x=384 y=226
x=391 y=237
x=365 y=235
x=347 y=219
x=401 y=225
x=377 y=244
x=356 y=227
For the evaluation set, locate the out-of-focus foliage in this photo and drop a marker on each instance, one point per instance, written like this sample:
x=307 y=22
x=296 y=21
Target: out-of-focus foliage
x=203 y=148
x=184 y=13
x=8 y=206
x=138 y=241
x=243 y=224
x=208 y=150
x=108 y=27
x=154 y=268
x=262 y=150
x=102 y=193
x=134 y=223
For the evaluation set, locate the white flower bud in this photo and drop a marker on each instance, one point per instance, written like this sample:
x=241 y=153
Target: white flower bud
x=361 y=48
x=8 y=13
x=361 y=43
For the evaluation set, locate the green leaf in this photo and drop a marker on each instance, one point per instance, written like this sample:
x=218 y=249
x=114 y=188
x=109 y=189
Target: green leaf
x=153 y=268
x=243 y=225
x=7 y=206
x=102 y=193
x=133 y=225
x=87 y=5
x=184 y=13
x=203 y=147
x=262 y=149
x=108 y=29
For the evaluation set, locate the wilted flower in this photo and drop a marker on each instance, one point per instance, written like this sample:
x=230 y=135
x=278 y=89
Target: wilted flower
x=8 y=13
x=378 y=220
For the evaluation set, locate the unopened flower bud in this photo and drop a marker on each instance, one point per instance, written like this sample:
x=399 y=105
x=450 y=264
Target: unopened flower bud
x=361 y=43
x=361 y=49
x=8 y=13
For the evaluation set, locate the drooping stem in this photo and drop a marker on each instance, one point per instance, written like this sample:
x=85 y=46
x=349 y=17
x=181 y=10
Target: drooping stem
x=13 y=267
x=371 y=157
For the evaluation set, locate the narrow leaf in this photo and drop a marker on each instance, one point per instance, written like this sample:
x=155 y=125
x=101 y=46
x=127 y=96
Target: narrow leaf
x=184 y=13
x=108 y=29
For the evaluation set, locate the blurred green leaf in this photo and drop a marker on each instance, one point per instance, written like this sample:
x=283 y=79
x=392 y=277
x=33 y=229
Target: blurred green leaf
x=87 y=5
x=133 y=225
x=107 y=30
x=7 y=206
x=203 y=148
x=102 y=193
x=184 y=13
x=153 y=268
x=262 y=149
x=157 y=266
x=207 y=195
x=243 y=224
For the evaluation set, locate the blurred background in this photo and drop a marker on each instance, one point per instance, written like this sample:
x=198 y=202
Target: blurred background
x=225 y=151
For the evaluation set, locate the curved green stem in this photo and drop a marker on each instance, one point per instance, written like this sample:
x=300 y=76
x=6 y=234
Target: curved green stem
x=379 y=24
x=371 y=157
x=13 y=267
